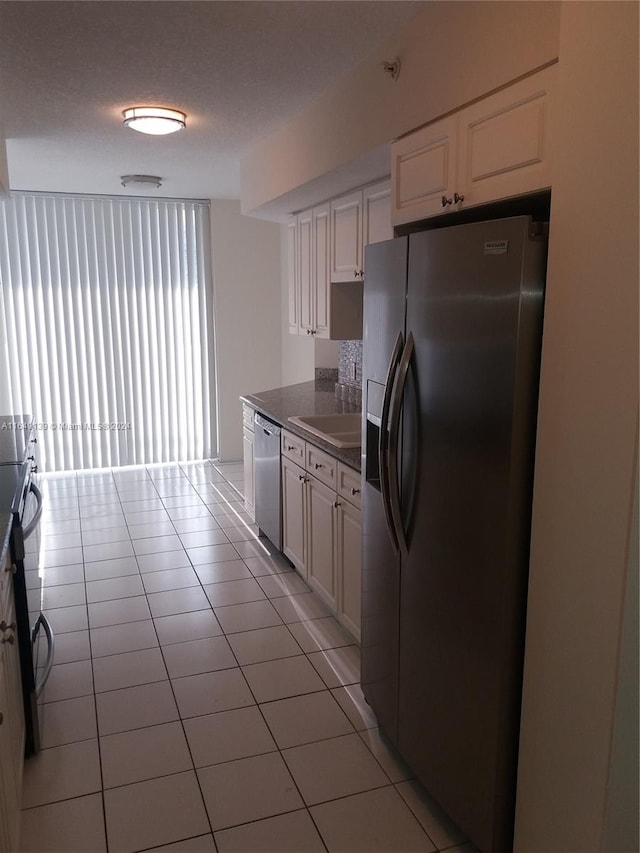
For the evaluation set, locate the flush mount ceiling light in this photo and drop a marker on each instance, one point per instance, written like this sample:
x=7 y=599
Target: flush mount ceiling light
x=155 y=120
x=143 y=180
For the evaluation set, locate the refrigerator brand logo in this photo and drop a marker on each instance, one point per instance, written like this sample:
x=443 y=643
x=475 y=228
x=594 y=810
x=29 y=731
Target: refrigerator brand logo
x=496 y=247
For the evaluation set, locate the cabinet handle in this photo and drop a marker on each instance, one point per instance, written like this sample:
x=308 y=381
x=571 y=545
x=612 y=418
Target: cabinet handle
x=5 y=627
x=445 y=201
x=457 y=198
x=355 y=491
x=1 y=718
x=10 y=639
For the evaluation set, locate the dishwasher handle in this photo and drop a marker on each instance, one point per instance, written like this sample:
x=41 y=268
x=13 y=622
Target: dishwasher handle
x=268 y=426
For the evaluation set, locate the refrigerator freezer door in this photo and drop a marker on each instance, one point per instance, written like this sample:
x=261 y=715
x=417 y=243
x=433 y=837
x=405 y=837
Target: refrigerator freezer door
x=384 y=317
x=474 y=307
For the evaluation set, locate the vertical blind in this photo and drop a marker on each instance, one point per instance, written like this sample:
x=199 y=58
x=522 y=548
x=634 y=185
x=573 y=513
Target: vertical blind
x=106 y=305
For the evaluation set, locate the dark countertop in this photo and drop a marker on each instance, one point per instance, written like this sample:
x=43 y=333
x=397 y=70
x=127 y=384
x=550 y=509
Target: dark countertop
x=306 y=398
x=5 y=530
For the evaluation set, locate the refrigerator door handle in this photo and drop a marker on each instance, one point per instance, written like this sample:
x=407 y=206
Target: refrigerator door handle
x=383 y=445
x=394 y=435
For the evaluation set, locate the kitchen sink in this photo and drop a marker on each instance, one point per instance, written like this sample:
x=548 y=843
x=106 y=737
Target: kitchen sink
x=340 y=430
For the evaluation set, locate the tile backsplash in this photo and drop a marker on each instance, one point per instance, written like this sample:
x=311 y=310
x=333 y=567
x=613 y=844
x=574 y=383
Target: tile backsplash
x=350 y=361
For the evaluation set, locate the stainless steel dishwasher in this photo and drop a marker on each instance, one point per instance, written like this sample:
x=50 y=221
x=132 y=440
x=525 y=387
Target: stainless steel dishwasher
x=267 y=479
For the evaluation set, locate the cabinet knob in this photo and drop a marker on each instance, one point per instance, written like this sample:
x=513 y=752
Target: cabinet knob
x=10 y=639
x=318 y=465
x=302 y=478
x=445 y=201
x=457 y=198
x=5 y=627
x=337 y=504
x=355 y=491
x=290 y=447
x=309 y=331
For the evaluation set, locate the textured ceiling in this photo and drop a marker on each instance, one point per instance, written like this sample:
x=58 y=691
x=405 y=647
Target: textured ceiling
x=238 y=69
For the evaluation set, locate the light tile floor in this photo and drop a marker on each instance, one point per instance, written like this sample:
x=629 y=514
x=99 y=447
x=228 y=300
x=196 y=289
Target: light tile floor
x=202 y=697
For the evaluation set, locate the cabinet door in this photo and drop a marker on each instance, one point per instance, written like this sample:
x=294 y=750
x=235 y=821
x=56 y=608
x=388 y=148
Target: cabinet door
x=321 y=253
x=346 y=237
x=305 y=272
x=12 y=721
x=292 y=277
x=504 y=141
x=376 y=213
x=321 y=527
x=423 y=170
x=9 y=807
x=293 y=515
x=349 y=561
x=249 y=470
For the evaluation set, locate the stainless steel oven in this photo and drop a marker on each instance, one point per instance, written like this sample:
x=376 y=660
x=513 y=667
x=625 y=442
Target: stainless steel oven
x=21 y=496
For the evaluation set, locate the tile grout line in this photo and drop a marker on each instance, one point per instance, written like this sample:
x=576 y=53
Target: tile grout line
x=225 y=634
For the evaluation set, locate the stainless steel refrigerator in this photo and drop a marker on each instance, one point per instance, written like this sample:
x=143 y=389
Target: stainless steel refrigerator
x=452 y=340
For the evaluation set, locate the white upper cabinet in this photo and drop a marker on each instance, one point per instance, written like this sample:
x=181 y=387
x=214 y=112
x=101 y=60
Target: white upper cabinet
x=346 y=237
x=494 y=149
x=321 y=251
x=305 y=272
x=423 y=170
x=504 y=141
x=357 y=219
x=325 y=254
x=376 y=213
x=292 y=276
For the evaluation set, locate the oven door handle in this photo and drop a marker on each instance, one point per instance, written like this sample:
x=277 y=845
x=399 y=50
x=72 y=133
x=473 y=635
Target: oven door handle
x=28 y=530
x=43 y=622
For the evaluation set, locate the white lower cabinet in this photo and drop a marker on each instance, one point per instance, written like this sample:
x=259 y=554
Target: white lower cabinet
x=348 y=566
x=321 y=528
x=11 y=719
x=293 y=514
x=321 y=537
x=249 y=470
x=248 y=458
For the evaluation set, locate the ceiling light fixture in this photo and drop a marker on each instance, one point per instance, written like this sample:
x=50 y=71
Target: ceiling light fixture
x=143 y=180
x=155 y=120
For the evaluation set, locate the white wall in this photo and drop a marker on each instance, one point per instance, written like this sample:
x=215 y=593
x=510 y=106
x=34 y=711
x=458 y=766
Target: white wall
x=587 y=439
x=623 y=791
x=451 y=53
x=247 y=276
